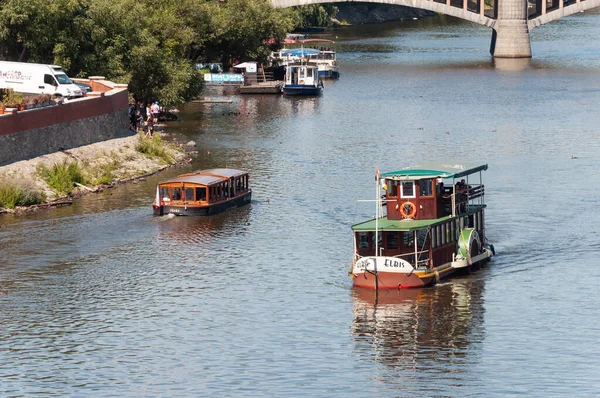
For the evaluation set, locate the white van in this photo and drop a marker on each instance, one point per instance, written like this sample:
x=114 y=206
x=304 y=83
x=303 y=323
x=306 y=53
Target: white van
x=37 y=79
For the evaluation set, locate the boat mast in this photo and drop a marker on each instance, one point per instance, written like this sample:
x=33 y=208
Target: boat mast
x=377 y=210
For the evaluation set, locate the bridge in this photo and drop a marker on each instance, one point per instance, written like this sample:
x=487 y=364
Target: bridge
x=511 y=20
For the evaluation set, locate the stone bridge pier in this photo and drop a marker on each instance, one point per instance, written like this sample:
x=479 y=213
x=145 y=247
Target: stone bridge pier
x=510 y=38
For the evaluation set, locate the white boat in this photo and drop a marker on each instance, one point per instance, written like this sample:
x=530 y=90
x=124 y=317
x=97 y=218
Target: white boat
x=302 y=79
x=325 y=59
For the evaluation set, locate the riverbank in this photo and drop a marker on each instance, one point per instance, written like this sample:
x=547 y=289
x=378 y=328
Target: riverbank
x=102 y=165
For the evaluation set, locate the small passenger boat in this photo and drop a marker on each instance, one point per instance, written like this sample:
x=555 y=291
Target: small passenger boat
x=434 y=227
x=302 y=79
x=202 y=193
x=325 y=59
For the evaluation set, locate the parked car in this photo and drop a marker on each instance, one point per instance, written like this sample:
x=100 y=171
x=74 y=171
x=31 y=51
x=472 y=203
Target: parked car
x=86 y=88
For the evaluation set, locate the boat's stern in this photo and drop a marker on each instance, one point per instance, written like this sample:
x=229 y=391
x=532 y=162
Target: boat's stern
x=158 y=210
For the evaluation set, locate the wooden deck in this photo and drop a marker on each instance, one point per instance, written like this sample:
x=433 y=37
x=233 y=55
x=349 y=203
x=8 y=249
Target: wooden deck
x=269 y=87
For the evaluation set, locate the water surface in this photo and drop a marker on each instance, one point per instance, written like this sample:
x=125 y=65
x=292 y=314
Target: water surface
x=104 y=299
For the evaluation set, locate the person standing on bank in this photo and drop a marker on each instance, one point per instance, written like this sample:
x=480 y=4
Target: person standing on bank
x=155 y=110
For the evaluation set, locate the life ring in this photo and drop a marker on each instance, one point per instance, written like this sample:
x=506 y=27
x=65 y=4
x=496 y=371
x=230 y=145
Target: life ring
x=408 y=210
x=300 y=81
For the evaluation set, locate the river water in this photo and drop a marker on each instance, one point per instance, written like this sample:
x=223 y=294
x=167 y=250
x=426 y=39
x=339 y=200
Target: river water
x=104 y=299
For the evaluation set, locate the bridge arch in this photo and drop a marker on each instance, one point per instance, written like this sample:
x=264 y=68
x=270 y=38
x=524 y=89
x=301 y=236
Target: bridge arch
x=511 y=24
x=465 y=13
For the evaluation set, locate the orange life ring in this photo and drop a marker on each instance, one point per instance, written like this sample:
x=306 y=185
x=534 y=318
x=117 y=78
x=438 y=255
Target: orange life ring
x=408 y=213
x=300 y=81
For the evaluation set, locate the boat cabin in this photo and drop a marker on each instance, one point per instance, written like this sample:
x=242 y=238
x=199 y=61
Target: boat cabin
x=203 y=192
x=302 y=74
x=424 y=194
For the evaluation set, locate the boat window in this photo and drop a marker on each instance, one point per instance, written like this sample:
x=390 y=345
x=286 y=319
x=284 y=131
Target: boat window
x=452 y=231
x=393 y=188
x=391 y=240
x=363 y=240
x=176 y=193
x=407 y=239
x=421 y=238
x=301 y=73
x=201 y=194
x=380 y=237
x=408 y=189
x=189 y=194
x=309 y=73
x=165 y=193
x=443 y=232
x=425 y=188
x=438 y=234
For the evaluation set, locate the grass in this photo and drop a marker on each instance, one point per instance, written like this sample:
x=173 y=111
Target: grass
x=19 y=192
x=105 y=173
x=154 y=147
x=61 y=176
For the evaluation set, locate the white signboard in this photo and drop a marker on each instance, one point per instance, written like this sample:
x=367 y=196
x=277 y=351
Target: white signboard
x=382 y=264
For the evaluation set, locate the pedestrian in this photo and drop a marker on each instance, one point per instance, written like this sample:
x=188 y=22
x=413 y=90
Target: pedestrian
x=155 y=110
x=139 y=120
x=150 y=124
x=132 y=117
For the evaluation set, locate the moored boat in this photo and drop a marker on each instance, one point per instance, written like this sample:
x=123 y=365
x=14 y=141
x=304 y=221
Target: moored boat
x=202 y=193
x=434 y=226
x=302 y=79
x=326 y=58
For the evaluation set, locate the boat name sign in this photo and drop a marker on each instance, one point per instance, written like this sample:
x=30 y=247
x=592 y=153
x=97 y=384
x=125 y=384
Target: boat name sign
x=384 y=264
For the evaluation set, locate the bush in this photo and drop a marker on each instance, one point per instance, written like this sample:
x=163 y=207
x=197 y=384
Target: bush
x=153 y=147
x=15 y=192
x=61 y=176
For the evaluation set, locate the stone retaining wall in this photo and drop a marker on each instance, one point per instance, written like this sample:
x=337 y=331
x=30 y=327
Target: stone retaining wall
x=28 y=134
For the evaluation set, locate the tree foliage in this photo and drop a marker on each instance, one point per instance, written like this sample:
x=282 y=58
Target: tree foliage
x=150 y=45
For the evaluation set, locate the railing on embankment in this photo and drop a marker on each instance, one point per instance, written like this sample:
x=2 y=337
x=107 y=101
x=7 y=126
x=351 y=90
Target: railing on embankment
x=35 y=132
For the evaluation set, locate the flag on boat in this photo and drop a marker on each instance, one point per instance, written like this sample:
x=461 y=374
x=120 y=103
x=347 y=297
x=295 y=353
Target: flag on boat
x=378 y=173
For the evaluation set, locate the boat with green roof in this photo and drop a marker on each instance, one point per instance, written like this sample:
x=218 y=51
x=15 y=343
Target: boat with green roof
x=434 y=226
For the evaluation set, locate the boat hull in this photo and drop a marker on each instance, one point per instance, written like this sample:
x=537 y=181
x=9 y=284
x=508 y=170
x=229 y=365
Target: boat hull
x=329 y=74
x=203 y=210
x=368 y=278
x=298 y=89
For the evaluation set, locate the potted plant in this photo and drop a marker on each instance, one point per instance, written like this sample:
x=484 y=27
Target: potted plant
x=1 y=108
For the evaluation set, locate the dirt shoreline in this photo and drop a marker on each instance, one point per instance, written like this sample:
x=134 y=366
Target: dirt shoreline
x=130 y=165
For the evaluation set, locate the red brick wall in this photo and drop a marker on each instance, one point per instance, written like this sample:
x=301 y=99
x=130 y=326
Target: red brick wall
x=75 y=110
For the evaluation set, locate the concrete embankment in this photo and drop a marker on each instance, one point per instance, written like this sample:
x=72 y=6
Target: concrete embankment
x=119 y=159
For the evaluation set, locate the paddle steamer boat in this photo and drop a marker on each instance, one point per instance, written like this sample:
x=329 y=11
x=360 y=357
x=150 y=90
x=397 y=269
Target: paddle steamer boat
x=202 y=193
x=434 y=227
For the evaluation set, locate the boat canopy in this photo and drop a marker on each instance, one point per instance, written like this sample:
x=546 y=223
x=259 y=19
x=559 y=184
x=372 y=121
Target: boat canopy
x=206 y=177
x=316 y=41
x=435 y=170
x=383 y=224
x=194 y=179
x=300 y=52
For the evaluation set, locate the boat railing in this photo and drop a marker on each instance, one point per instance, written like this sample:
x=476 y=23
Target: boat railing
x=421 y=256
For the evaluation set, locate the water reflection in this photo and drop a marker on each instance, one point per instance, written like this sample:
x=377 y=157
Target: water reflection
x=177 y=231
x=426 y=329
